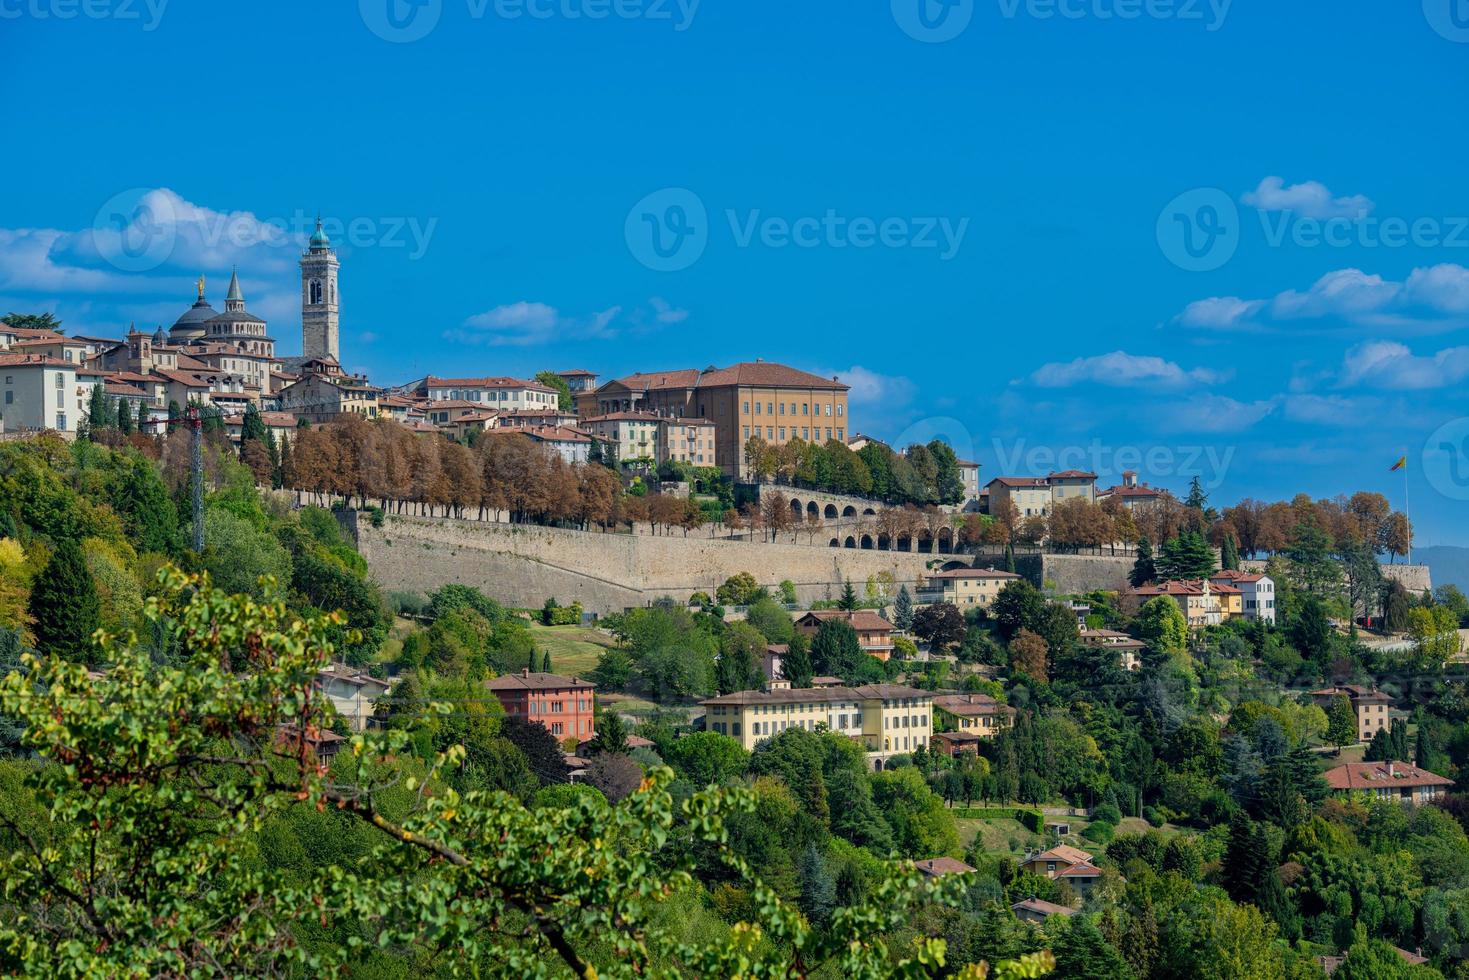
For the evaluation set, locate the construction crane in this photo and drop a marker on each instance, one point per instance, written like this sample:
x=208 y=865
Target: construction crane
x=193 y=417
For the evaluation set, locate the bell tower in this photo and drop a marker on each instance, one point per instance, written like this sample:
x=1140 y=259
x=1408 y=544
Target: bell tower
x=319 y=301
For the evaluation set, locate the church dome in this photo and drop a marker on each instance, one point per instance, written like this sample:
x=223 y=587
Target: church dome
x=190 y=326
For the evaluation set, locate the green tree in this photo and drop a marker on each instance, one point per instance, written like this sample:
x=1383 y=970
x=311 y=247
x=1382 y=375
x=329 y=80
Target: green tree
x=1161 y=625
x=1083 y=953
x=33 y=321
x=903 y=609
x=1019 y=605
x=835 y=650
x=773 y=622
x=848 y=600
x=124 y=416
x=237 y=553
x=461 y=878
x=1143 y=571
x=64 y=605
x=739 y=589
x=1341 y=722
x=564 y=399
x=1187 y=557
x=795 y=666
x=99 y=410
x=741 y=650
x=611 y=734
x=1229 y=553
x=707 y=757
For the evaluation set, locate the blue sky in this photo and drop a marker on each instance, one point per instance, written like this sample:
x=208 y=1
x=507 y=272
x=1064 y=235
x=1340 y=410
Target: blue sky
x=1224 y=239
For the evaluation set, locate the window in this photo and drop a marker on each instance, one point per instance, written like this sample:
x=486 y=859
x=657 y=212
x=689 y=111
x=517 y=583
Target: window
x=828 y=410
x=782 y=408
x=806 y=408
x=60 y=399
x=9 y=397
x=839 y=410
x=61 y=420
x=770 y=408
x=757 y=408
x=60 y=382
x=782 y=433
x=769 y=432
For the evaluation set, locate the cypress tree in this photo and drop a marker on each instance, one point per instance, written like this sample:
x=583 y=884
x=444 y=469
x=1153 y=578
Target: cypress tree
x=1229 y=553
x=1143 y=570
x=1380 y=748
x=124 y=417
x=795 y=666
x=546 y=662
x=64 y=604
x=849 y=597
x=1245 y=860
x=175 y=411
x=1400 y=740
x=1422 y=748
x=1010 y=558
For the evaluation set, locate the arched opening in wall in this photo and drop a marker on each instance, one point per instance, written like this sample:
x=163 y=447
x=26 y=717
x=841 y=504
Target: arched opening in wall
x=831 y=512
x=877 y=764
x=905 y=542
x=884 y=543
x=812 y=510
x=849 y=511
x=925 y=541
x=795 y=507
x=866 y=542
x=950 y=565
x=835 y=543
x=946 y=541
x=868 y=512
x=851 y=542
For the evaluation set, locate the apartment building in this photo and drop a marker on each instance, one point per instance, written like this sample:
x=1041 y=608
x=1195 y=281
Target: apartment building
x=1257 y=592
x=974 y=714
x=1370 y=705
x=1036 y=496
x=511 y=394
x=1395 y=781
x=38 y=392
x=1198 y=601
x=964 y=587
x=563 y=705
x=874 y=633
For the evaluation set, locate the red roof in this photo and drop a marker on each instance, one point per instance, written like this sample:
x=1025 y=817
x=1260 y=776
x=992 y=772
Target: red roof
x=933 y=867
x=749 y=374
x=859 y=619
x=33 y=360
x=433 y=382
x=1072 y=475
x=1369 y=776
x=531 y=681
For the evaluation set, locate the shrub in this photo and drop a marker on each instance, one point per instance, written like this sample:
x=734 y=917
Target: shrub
x=1101 y=833
x=1107 y=813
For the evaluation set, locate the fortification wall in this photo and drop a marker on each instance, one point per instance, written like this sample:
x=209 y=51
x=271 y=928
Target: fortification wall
x=523 y=565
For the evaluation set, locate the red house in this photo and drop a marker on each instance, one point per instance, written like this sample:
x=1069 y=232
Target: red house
x=562 y=704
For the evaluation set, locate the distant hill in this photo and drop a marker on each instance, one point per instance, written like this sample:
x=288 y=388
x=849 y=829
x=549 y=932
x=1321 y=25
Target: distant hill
x=1450 y=564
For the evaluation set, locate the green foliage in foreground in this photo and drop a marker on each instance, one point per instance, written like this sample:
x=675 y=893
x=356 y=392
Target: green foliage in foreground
x=134 y=850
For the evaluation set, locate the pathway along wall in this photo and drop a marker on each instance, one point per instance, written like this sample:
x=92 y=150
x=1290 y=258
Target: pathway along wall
x=523 y=565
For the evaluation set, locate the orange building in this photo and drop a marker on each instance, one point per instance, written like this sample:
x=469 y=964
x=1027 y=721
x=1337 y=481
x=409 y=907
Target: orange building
x=562 y=704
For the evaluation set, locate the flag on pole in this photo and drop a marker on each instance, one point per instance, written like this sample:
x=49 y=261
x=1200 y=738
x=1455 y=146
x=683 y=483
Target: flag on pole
x=1402 y=461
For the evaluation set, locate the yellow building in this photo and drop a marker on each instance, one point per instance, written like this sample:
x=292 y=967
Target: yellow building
x=757 y=398
x=976 y=714
x=888 y=719
x=965 y=586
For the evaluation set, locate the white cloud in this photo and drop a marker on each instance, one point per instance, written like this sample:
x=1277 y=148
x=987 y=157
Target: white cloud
x=871 y=388
x=1434 y=298
x=1120 y=369
x=1214 y=413
x=525 y=323
x=1391 y=365
x=1334 y=410
x=1310 y=199
x=664 y=312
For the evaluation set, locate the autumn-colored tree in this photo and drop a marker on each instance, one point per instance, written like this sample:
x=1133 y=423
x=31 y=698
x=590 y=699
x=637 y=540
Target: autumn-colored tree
x=775 y=513
x=1028 y=654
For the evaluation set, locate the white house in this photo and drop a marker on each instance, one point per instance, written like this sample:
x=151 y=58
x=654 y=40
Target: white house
x=1258 y=590
x=38 y=392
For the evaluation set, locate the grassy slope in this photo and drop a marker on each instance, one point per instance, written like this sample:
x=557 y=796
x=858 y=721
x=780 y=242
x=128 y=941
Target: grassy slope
x=573 y=649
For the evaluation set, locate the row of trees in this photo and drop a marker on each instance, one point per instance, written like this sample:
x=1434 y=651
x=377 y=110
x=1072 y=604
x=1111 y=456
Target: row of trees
x=921 y=474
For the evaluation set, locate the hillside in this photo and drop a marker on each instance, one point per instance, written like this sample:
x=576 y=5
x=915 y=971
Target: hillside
x=1450 y=564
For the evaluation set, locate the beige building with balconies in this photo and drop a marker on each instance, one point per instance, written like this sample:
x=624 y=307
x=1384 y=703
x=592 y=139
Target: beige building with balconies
x=965 y=587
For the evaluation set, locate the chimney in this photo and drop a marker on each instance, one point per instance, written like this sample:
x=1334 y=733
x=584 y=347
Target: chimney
x=525 y=672
x=1391 y=768
x=1129 y=478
